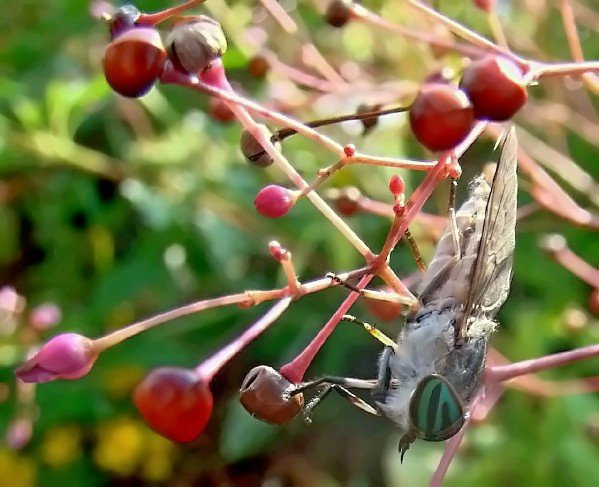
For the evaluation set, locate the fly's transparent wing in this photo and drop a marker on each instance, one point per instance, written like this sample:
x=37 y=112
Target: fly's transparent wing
x=492 y=274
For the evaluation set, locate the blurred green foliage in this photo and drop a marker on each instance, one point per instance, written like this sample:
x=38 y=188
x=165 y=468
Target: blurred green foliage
x=118 y=209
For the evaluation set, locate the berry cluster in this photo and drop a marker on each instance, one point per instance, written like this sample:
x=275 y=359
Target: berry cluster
x=492 y=88
x=177 y=402
x=136 y=57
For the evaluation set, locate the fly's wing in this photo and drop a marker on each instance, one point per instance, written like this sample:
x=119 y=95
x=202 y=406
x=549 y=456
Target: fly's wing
x=492 y=274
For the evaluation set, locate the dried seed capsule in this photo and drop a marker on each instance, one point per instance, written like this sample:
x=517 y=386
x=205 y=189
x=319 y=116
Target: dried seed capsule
x=264 y=393
x=370 y=122
x=253 y=152
x=192 y=45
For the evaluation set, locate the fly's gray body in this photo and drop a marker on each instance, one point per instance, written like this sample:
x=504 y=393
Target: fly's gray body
x=462 y=290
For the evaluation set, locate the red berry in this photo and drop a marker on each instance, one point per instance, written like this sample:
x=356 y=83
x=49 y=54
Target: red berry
x=219 y=110
x=258 y=66
x=594 y=302
x=338 y=12
x=134 y=61
x=347 y=200
x=486 y=5
x=441 y=116
x=174 y=402
x=274 y=201
x=383 y=310
x=264 y=393
x=496 y=88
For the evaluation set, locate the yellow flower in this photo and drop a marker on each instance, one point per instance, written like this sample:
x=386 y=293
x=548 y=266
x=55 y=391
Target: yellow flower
x=61 y=446
x=120 y=446
x=18 y=469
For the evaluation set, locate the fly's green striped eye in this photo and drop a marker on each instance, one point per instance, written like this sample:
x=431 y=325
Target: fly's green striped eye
x=436 y=411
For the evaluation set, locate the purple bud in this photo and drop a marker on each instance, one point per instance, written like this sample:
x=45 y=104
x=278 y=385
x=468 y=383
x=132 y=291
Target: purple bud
x=66 y=356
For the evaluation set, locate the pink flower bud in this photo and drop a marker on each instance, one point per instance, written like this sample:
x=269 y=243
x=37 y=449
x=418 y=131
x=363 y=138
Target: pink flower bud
x=45 y=316
x=19 y=433
x=66 y=356
x=396 y=185
x=274 y=201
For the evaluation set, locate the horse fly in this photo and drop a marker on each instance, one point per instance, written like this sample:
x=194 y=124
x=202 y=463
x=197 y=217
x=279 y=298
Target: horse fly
x=429 y=376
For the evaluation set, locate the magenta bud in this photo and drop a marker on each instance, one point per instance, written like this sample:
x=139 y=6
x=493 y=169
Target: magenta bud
x=274 y=201
x=66 y=356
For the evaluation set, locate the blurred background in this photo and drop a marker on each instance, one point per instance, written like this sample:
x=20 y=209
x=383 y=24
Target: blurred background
x=113 y=209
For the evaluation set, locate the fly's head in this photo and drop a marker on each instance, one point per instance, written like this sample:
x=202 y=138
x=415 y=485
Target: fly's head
x=436 y=412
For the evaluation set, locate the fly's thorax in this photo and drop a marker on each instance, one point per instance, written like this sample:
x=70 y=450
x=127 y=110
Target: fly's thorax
x=421 y=345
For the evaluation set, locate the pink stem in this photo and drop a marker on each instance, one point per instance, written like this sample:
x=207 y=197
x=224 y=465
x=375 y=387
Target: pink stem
x=506 y=372
x=210 y=367
x=577 y=266
x=414 y=205
x=159 y=17
x=295 y=370
x=452 y=446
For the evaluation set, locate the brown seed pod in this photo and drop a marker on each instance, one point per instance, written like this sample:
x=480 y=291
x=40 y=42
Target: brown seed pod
x=370 y=122
x=194 y=43
x=258 y=66
x=254 y=153
x=264 y=394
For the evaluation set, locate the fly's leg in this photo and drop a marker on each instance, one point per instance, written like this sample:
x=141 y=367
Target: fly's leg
x=343 y=392
x=453 y=223
x=372 y=330
x=384 y=377
x=415 y=251
x=347 y=382
x=367 y=293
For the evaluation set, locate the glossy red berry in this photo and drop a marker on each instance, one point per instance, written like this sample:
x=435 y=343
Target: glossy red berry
x=174 y=402
x=264 y=393
x=274 y=201
x=134 y=61
x=441 y=116
x=338 y=12
x=383 y=310
x=496 y=88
